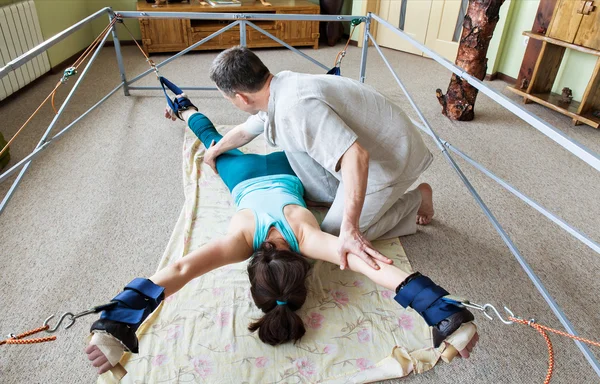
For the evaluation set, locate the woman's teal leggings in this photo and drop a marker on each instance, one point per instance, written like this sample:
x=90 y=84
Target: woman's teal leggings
x=235 y=166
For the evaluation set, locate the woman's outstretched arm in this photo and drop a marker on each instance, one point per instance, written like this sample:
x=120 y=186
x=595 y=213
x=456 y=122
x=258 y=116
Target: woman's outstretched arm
x=322 y=246
x=319 y=245
x=233 y=248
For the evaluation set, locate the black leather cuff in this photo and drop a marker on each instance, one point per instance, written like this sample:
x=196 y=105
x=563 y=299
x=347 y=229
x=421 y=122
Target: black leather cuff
x=121 y=331
x=407 y=280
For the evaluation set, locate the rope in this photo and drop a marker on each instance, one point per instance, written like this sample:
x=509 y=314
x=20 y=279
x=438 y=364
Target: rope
x=68 y=73
x=355 y=23
x=72 y=70
x=342 y=53
x=148 y=59
x=17 y=339
x=542 y=330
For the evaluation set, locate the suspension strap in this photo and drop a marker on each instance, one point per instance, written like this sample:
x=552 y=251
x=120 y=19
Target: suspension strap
x=173 y=104
x=177 y=104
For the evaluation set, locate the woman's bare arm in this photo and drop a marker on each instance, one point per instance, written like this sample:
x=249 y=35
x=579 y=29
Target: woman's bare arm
x=233 y=248
x=316 y=244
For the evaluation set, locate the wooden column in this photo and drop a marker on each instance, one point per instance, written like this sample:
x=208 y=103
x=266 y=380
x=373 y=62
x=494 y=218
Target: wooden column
x=534 y=47
x=480 y=21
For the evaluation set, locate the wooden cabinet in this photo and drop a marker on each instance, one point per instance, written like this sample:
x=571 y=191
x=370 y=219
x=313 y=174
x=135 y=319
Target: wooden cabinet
x=164 y=34
x=577 y=22
x=575 y=25
x=172 y=35
x=588 y=34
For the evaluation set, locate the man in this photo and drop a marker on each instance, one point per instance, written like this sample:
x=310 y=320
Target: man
x=347 y=143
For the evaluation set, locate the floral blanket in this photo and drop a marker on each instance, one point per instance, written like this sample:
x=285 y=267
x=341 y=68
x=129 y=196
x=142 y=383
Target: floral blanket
x=356 y=332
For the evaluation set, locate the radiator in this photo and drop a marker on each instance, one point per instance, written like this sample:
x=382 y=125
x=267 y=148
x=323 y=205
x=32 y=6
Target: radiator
x=19 y=32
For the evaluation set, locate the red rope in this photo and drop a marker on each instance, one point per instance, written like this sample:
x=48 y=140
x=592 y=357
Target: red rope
x=52 y=94
x=17 y=339
x=542 y=330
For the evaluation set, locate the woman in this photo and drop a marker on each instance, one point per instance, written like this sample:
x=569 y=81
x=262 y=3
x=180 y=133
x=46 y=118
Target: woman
x=272 y=227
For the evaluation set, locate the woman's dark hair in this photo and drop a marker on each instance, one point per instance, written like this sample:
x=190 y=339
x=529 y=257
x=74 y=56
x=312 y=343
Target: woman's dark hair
x=278 y=275
x=238 y=69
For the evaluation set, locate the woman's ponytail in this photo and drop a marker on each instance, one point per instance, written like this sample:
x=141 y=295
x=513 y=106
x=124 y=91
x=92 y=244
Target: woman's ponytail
x=277 y=284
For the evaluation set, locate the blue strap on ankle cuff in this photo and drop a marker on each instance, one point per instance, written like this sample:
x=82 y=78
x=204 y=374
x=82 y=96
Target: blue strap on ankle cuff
x=178 y=103
x=147 y=288
x=425 y=297
x=137 y=301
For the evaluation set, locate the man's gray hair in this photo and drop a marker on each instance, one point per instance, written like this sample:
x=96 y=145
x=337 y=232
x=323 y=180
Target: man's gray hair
x=238 y=69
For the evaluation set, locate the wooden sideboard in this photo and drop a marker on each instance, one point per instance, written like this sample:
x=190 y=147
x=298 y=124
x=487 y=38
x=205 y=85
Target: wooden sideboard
x=172 y=35
x=575 y=25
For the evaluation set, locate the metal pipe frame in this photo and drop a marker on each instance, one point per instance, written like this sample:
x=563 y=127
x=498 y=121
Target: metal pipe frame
x=111 y=16
x=234 y=16
x=182 y=88
x=191 y=47
x=36 y=152
x=555 y=134
x=243 y=33
x=243 y=20
x=507 y=240
x=365 y=50
x=259 y=29
x=585 y=239
x=19 y=61
x=52 y=124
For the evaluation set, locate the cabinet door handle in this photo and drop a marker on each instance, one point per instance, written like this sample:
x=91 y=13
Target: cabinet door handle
x=588 y=8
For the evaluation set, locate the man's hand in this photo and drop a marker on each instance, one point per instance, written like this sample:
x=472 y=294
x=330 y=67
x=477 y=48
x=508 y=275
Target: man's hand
x=98 y=359
x=210 y=157
x=351 y=240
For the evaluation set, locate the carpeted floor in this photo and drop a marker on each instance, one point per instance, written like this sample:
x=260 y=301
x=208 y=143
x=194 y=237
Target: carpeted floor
x=98 y=207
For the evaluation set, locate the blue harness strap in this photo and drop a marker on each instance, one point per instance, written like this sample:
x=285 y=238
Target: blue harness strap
x=425 y=297
x=138 y=300
x=178 y=103
x=335 y=71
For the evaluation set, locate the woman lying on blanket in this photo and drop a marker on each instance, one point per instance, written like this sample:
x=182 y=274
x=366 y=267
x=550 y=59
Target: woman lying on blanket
x=274 y=229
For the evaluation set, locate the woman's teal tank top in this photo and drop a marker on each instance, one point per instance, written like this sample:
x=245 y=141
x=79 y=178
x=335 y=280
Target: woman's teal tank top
x=266 y=196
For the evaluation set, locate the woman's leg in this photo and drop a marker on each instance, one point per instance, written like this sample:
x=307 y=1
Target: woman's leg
x=205 y=130
x=234 y=166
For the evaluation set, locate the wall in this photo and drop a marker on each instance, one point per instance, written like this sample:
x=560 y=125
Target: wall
x=57 y=15
x=496 y=44
x=576 y=67
x=117 y=5
x=499 y=38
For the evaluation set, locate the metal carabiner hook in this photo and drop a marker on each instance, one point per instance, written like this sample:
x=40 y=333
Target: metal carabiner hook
x=73 y=317
x=490 y=306
x=62 y=318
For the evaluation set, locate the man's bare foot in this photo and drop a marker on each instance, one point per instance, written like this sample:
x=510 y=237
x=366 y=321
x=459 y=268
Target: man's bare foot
x=425 y=212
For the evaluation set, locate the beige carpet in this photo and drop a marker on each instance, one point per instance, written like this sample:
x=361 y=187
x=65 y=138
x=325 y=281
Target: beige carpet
x=98 y=207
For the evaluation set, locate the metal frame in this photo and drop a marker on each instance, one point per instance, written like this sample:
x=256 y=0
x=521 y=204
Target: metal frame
x=243 y=20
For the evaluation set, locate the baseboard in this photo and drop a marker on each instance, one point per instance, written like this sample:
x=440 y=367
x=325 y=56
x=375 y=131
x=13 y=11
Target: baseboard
x=501 y=76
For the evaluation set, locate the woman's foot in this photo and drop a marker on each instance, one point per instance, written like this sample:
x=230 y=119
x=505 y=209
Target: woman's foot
x=425 y=212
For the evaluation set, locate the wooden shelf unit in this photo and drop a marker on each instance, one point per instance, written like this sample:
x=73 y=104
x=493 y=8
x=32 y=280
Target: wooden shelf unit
x=575 y=25
x=172 y=35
